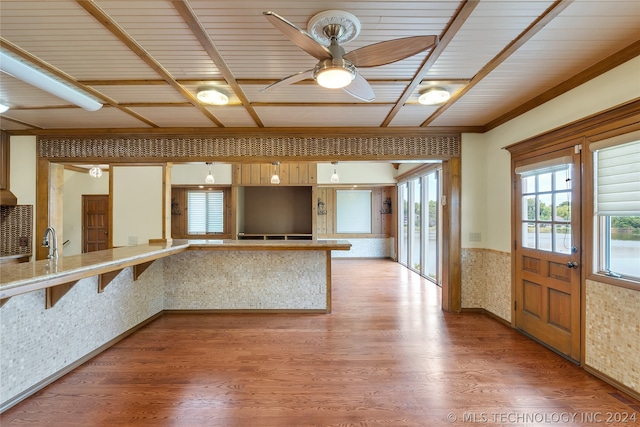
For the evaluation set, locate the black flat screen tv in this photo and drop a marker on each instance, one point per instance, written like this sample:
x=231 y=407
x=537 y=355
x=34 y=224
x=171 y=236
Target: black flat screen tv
x=277 y=210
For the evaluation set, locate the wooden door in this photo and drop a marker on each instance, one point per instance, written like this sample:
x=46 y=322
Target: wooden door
x=95 y=222
x=547 y=250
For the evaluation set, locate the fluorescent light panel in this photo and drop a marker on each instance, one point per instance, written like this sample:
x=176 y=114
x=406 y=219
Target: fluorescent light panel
x=37 y=78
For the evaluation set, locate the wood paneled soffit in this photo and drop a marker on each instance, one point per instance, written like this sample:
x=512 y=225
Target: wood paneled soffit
x=255 y=145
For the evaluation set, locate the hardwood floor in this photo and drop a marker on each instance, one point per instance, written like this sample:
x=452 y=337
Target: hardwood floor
x=386 y=356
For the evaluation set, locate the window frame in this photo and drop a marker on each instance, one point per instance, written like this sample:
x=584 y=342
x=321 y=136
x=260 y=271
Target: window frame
x=179 y=211
x=593 y=228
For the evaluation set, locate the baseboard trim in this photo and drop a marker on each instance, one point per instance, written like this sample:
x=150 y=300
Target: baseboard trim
x=487 y=313
x=57 y=375
x=246 y=311
x=617 y=384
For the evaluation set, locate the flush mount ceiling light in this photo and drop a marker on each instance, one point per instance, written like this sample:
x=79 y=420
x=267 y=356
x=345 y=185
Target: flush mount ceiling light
x=3 y=108
x=25 y=72
x=210 y=179
x=95 y=172
x=212 y=96
x=434 y=96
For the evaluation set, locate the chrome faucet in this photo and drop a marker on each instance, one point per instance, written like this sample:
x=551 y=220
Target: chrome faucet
x=53 y=246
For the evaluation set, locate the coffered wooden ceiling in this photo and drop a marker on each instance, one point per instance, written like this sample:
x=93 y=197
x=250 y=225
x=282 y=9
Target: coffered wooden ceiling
x=145 y=59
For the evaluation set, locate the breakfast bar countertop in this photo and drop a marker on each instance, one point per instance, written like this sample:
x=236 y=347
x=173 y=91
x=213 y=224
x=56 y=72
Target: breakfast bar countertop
x=26 y=277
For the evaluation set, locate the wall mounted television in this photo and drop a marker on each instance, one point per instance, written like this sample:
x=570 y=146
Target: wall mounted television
x=278 y=210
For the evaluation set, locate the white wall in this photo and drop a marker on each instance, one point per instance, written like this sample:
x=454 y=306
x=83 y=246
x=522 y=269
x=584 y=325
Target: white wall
x=77 y=184
x=473 y=197
x=616 y=87
x=137 y=204
x=22 y=162
x=195 y=173
x=22 y=175
x=357 y=173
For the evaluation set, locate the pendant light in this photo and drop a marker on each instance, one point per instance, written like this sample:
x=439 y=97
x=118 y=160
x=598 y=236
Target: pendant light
x=210 y=179
x=335 y=178
x=275 y=179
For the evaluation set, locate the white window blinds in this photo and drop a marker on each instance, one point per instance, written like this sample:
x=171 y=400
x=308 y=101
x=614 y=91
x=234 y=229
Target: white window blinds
x=618 y=179
x=353 y=211
x=205 y=212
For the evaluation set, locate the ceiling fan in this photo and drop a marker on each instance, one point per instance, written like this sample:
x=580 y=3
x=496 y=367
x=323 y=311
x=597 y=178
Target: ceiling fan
x=337 y=69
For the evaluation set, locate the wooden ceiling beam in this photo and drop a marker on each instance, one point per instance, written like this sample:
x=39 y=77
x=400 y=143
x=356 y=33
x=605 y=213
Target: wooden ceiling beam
x=549 y=15
x=452 y=29
x=104 y=19
x=203 y=37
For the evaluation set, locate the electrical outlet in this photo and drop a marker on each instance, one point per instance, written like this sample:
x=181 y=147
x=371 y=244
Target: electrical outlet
x=133 y=240
x=475 y=237
x=23 y=242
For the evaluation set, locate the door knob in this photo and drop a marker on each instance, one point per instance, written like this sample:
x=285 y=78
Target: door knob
x=572 y=264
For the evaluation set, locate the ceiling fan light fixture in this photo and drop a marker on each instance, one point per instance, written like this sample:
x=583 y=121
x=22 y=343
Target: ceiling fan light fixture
x=434 y=96
x=334 y=73
x=3 y=108
x=212 y=96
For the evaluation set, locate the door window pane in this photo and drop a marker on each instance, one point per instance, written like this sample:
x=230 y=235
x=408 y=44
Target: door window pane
x=529 y=235
x=546 y=209
x=562 y=241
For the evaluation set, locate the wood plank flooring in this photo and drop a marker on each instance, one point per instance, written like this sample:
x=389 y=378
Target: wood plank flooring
x=386 y=356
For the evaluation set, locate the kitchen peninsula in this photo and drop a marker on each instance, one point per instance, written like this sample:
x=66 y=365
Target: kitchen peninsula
x=57 y=316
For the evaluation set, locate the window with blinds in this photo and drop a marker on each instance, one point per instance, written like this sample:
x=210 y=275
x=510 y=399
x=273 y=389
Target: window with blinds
x=617 y=205
x=205 y=212
x=353 y=210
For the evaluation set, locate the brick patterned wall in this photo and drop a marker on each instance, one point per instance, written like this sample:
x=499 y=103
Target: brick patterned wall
x=486 y=281
x=612 y=338
x=16 y=222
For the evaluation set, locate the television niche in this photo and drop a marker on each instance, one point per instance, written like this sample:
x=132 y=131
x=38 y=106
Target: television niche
x=277 y=212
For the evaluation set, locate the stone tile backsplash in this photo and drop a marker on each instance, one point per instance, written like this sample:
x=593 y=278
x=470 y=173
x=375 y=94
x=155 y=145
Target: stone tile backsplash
x=16 y=230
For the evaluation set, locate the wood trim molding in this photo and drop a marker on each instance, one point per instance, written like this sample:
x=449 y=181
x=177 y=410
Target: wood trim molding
x=549 y=15
x=605 y=122
x=607 y=379
x=607 y=64
x=451 y=235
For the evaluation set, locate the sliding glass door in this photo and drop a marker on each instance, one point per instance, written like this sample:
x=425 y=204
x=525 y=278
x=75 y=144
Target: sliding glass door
x=419 y=222
x=403 y=223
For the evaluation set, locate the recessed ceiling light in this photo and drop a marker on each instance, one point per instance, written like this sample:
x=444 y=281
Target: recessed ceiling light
x=212 y=96
x=434 y=96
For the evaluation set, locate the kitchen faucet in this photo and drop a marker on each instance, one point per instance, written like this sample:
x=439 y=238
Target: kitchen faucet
x=53 y=247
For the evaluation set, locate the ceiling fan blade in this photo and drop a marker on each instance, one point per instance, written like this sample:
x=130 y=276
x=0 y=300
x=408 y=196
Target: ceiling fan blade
x=297 y=77
x=360 y=88
x=390 y=51
x=298 y=36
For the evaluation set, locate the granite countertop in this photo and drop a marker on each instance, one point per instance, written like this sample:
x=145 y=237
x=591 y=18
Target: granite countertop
x=7 y=258
x=25 y=277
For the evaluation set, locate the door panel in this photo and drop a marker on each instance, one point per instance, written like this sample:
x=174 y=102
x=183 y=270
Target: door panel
x=547 y=274
x=95 y=222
